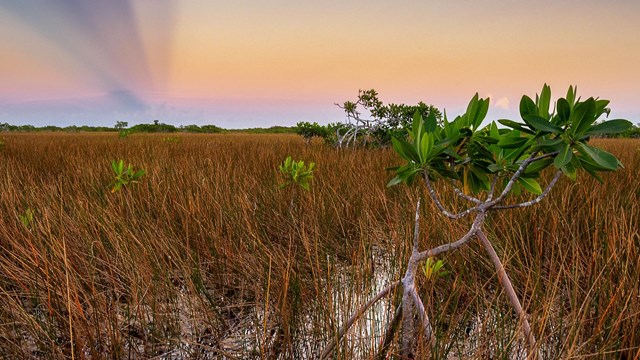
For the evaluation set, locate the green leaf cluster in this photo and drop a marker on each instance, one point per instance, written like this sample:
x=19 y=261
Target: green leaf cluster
x=434 y=269
x=296 y=173
x=27 y=218
x=472 y=155
x=124 y=175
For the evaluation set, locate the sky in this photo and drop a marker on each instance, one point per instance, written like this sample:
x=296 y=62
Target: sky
x=239 y=64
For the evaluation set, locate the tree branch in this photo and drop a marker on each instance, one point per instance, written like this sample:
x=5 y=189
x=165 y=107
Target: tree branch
x=477 y=223
x=492 y=189
x=516 y=175
x=424 y=318
x=416 y=228
x=546 y=191
x=510 y=292
x=463 y=195
x=434 y=197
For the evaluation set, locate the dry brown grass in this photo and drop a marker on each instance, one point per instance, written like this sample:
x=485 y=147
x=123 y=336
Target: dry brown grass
x=186 y=262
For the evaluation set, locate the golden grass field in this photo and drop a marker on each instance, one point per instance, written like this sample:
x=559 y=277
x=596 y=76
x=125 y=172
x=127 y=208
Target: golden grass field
x=205 y=257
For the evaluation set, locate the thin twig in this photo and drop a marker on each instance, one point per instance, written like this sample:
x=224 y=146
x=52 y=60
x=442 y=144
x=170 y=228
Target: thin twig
x=492 y=189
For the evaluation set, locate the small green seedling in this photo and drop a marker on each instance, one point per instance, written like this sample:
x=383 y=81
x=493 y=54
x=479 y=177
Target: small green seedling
x=434 y=269
x=296 y=173
x=1 y=143
x=124 y=175
x=27 y=218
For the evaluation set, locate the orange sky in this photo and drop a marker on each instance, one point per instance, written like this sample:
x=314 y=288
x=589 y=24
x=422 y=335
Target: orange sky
x=239 y=64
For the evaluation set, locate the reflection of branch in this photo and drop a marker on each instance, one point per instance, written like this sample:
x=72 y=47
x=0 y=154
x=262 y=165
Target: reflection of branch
x=332 y=344
x=389 y=334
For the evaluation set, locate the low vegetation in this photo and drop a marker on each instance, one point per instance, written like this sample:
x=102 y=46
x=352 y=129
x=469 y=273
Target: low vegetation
x=199 y=260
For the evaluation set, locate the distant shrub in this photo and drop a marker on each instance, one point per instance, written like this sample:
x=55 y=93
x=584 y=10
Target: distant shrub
x=310 y=130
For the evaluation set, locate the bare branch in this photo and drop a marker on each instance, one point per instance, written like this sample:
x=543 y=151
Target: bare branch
x=516 y=176
x=534 y=201
x=492 y=189
x=416 y=228
x=463 y=195
x=424 y=318
x=510 y=292
x=456 y=244
x=434 y=197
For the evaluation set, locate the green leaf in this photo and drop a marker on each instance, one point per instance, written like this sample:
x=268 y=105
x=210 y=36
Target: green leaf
x=591 y=168
x=610 y=127
x=417 y=124
x=527 y=106
x=549 y=145
x=483 y=108
x=541 y=125
x=515 y=125
x=494 y=168
x=601 y=107
x=472 y=109
x=493 y=130
x=543 y=103
x=582 y=116
x=564 y=110
x=571 y=95
x=405 y=150
x=569 y=170
x=537 y=166
x=431 y=123
x=425 y=147
x=602 y=158
x=564 y=157
x=530 y=185
x=404 y=174
x=512 y=142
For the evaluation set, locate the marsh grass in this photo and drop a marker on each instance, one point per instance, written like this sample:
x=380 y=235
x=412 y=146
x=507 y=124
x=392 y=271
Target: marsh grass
x=204 y=258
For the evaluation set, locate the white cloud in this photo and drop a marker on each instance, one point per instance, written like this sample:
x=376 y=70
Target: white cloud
x=502 y=103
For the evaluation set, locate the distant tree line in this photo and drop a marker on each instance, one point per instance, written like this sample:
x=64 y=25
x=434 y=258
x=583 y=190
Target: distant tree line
x=155 y=127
